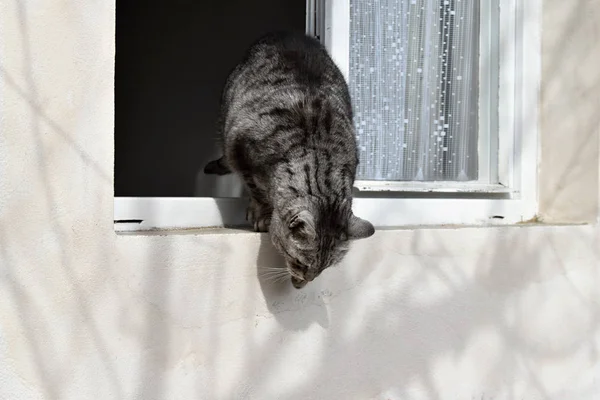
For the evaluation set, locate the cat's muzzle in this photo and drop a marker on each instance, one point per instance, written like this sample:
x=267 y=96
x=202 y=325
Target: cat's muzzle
x=298 y=283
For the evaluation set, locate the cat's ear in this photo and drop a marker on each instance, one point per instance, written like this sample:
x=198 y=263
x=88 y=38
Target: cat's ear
x=302 y=225
x=359 y=228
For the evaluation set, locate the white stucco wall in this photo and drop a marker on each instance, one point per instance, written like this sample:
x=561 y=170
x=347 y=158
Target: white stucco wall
x=502 y=313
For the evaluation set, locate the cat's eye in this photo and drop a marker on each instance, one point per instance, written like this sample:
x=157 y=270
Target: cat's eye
x=300 y=267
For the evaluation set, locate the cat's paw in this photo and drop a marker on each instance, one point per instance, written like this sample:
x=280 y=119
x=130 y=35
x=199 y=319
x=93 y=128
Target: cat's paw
x=258 y=217
x=251 y=214
x=262 y=224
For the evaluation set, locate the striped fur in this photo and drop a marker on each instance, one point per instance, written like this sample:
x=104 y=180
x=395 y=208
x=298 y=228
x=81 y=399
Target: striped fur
x=286 y=125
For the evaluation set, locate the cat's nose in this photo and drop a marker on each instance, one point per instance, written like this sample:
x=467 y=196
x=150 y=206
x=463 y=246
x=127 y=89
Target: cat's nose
x=309 y=275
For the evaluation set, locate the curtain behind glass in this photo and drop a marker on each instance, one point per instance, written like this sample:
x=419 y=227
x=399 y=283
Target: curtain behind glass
x=414 y=85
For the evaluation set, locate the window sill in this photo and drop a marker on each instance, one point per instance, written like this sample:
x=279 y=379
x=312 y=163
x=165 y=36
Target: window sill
x=221 y=231
x=146 y=214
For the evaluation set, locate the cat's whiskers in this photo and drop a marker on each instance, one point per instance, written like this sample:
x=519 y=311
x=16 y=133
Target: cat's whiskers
x=275 y=271
x=273 y=268
x=278 y=279
x=274 y=274
x=282 y=278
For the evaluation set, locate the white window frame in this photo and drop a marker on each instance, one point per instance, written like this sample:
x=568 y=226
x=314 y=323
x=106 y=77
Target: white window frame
x=512 y=200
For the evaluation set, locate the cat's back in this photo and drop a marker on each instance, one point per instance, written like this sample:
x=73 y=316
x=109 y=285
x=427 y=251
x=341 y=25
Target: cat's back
x=283 y=98
x=285 y=62
x=302 y=58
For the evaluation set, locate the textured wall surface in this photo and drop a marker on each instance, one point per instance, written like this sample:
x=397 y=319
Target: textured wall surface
x=502 y=313
x=570 y=103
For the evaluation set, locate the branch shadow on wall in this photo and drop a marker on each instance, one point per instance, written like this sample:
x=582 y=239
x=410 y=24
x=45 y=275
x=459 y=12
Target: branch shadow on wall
x=31 y=295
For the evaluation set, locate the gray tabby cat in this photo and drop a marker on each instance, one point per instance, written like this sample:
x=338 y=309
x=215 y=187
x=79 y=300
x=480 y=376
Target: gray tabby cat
x=286 y=125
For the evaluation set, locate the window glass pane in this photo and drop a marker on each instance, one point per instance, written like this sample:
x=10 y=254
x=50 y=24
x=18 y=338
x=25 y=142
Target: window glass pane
x=414 y=84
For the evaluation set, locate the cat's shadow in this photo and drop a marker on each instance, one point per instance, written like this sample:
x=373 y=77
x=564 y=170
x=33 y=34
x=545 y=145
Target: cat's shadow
x=294 y=309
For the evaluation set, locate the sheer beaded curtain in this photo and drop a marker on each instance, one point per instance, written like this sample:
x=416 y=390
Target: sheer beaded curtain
x=414 y=85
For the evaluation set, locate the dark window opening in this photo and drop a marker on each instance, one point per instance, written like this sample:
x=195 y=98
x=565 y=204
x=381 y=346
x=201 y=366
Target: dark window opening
x=172 y=59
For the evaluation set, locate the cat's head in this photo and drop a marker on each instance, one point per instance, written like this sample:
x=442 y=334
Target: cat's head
x=314 y=235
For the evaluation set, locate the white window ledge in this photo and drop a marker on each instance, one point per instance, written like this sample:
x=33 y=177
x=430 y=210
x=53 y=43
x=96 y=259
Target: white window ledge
x=148 y=213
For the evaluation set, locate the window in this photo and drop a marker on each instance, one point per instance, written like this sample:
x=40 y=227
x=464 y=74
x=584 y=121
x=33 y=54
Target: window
x=445 y=94
x=413 y=73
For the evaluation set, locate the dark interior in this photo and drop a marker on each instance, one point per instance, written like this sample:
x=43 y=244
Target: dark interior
x=172 y=60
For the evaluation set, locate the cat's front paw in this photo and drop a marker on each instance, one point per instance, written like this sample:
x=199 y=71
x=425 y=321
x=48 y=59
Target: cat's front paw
x=258 y=216
x=262 y=224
